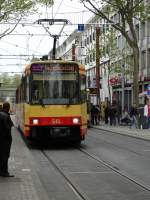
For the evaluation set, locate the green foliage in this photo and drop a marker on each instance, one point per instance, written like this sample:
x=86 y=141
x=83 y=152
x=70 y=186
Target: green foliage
x=9 y=8
x=14 y=10
x=46 y=2
x=8 y=81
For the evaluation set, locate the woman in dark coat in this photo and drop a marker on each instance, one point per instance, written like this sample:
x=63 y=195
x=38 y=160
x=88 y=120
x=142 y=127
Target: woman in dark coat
x=106 y=114
x=113 y=113
x=5 y=139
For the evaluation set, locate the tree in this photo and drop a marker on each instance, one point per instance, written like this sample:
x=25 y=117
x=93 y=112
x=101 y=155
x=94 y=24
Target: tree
x=13 y=11
x=126 y=11
x=9 y=81
x=16 y=79
x=109 y=51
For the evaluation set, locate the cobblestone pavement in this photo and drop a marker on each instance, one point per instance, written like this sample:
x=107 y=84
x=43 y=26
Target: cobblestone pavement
x=26 y=184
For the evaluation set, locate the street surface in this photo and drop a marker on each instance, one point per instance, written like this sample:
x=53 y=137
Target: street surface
x=106 y=166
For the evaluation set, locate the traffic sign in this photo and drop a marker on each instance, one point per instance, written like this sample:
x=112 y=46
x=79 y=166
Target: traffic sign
x=148 y=90
x=148 y=87
x=81 y=27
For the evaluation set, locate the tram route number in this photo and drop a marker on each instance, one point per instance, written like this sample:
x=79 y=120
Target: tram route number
x=56 y=121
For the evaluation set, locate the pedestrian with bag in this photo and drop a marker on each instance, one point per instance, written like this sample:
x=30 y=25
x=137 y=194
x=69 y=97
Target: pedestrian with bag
x=5 y=139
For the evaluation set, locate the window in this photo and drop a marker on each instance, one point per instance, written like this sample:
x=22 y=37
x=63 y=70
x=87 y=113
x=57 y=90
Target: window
x=143 y=60
x=93 y=35
x=94 y=56
x=83 y=87
x=143 y=33
x=27 y=89
x=55 y=88
x=90 y=57
x=87 y=40
x=137 y=31
x=90 y=38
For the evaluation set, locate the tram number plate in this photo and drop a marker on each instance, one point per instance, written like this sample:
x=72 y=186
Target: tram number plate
x=60 y=131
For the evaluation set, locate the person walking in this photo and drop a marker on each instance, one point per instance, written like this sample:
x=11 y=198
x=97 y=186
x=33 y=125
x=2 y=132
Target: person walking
x=133 y=115
x=106 y=113
x=92 y=114
x=147 y=114
x=5 y=139
x=112 y=113
x=95 y=112
x=118 y=113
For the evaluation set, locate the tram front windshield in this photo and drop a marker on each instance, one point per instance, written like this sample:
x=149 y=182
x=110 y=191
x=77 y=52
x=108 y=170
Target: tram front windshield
x=55 y=88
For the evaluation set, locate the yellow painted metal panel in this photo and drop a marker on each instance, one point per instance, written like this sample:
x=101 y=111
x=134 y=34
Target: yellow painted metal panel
x=55 y=111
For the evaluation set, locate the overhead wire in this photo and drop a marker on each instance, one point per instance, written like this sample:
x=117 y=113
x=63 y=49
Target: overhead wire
x=54 y=14
x=58 y=8
x=16 y=45
x=53 y=17
x=6 y=51
x=46 y=15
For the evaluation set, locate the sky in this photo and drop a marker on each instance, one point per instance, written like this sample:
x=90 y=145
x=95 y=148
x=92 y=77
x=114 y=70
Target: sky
x=30 y=39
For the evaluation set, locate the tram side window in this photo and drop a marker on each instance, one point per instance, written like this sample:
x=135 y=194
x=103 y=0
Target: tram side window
x=27 y=89
x=36 y=91
x=21 y=92
x=17 y=96
x=24 y=90
x=83 y=88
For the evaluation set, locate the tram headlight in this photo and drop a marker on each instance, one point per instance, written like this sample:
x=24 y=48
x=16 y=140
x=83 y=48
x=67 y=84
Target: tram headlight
x=76 y=120
x=35 y=121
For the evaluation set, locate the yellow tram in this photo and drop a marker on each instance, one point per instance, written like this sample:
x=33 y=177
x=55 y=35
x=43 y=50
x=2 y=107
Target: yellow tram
x=51 y=101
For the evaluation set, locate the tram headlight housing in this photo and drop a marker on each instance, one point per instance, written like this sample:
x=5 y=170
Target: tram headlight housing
x=76 y=120
x=35 y=121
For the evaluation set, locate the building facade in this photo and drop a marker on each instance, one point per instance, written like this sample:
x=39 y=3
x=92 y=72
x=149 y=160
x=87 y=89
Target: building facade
x=114 y=84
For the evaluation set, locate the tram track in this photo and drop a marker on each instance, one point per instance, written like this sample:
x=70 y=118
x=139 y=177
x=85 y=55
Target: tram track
x=80 y=195
x=116 y=170
x=110 y=143
x=75 y=188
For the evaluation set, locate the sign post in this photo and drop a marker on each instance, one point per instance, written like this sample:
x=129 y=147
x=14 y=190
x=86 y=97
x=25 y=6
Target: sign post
x=148 y=90
x=81 y=27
